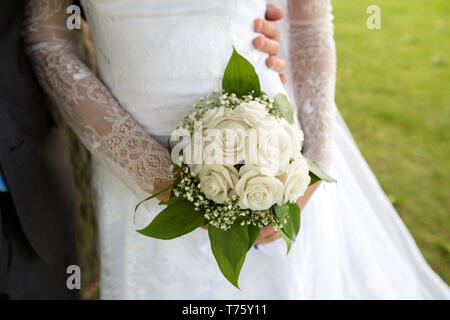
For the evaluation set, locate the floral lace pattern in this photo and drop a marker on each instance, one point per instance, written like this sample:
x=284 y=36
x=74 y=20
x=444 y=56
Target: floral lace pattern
x=110 y=133
x=313 y=58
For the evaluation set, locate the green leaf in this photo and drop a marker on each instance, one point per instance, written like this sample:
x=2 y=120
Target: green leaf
x=318 y=174
x=290 y=229
x=179 y=218
x=240 y=77
x=287 y=240
x=230 y=248
x=314 y=178
x=153 y=196
x=170 y=201
x=282 y=104
x=280 y=213
x=253 y=233
x=292 y=226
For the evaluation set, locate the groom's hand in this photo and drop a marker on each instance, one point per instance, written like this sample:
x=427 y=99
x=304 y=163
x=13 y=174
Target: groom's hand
x=268 y=42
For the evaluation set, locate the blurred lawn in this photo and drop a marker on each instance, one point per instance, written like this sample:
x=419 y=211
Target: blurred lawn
x=393 y=90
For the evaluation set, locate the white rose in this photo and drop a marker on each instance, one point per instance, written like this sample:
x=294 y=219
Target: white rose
x=251 y=113
x=234 y=141
x=214 y=116
x=256 y=190
x=226 y=144
x=275 y=148
x=296 y=136
x=218 y=182
x=212 y=152
x=296 y=180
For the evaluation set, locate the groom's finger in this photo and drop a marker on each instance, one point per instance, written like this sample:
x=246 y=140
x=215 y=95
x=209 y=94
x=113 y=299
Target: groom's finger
x=275 y=63
x=267 y=45
x=273 y=13
x=267 y=28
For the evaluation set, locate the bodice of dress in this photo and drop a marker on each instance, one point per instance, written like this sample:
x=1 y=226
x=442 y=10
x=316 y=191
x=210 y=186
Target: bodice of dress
x=158 y=57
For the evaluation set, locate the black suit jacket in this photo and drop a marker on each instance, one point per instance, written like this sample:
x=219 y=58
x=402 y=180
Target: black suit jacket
x=33 y=155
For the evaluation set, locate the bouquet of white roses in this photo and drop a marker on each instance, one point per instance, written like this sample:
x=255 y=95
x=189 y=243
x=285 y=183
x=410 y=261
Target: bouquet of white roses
x=239 y=168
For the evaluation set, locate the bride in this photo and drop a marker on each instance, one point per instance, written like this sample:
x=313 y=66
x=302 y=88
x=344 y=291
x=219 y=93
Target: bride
x=155 y=58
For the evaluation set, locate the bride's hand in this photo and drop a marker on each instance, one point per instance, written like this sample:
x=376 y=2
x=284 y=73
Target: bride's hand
x=161 y=186
x=268 y=42
x=267 y=234
x=303 y=200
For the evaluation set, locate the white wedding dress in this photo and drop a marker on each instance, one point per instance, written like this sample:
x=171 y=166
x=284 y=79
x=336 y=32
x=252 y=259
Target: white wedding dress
x=155 y=58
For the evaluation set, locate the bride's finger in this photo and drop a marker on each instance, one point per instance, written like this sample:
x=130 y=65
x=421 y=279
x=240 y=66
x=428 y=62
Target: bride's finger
x=267 y=45
x=275 y=63
x=267 y=28
x=266 y=232
x=268 y=238
x=284 y=78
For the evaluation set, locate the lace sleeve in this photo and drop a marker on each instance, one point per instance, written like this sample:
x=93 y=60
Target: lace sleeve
x=313 y=63
x=110 y=133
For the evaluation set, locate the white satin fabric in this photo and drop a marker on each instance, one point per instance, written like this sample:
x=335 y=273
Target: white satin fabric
x=157 y=57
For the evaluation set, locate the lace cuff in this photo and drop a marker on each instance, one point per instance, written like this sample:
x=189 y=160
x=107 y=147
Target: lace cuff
x=110 y=133
x=313 y=63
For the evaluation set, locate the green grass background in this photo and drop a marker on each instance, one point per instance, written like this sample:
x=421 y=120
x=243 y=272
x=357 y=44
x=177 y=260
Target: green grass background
x=393 y=90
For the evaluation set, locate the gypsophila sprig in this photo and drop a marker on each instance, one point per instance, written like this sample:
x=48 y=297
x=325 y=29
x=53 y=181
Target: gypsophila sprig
x=227 y=100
